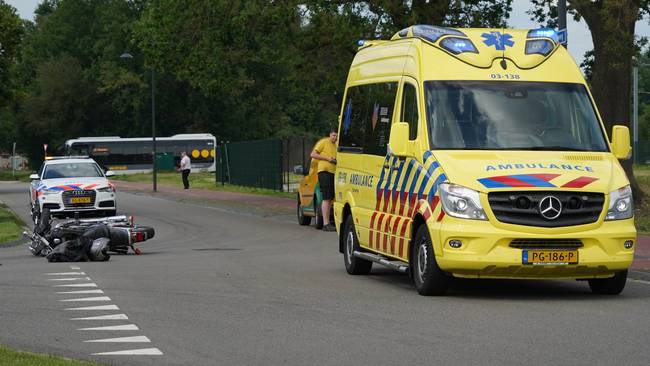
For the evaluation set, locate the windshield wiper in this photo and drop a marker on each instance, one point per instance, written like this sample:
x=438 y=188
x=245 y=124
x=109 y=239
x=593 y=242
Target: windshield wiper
x=544 y=148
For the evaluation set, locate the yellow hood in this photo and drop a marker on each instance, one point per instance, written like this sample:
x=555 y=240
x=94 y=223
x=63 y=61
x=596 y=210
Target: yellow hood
x=486 y=171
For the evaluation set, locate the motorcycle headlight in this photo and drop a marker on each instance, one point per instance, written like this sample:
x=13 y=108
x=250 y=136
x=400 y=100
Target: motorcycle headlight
x=108 y=189
x=620 y=204
x=462 y=202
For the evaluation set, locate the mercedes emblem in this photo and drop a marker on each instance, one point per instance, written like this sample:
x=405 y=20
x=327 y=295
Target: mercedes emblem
x=550 y=207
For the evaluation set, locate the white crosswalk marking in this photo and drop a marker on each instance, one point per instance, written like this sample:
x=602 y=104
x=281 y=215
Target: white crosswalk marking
x=114 y=327
x=68 y=279
x=66 y=274
x=143 y=351
x=104 y=317
x=78 y=285
x=136 y=339
x=100 y=307
x=100 y=298
x=82 y=292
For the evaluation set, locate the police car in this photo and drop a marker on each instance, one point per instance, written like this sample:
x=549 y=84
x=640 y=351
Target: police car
x=70 y=185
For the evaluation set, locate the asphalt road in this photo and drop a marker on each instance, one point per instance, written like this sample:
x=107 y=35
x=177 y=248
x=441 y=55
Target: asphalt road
x=216 y=287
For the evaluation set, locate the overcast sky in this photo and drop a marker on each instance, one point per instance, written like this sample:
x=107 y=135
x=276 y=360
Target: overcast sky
x=579 y=37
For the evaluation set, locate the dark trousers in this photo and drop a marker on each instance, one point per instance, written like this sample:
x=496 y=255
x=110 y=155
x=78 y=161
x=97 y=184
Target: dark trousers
x=186 y=182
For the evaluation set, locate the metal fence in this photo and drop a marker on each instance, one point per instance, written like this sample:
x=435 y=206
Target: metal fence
x=272 y=164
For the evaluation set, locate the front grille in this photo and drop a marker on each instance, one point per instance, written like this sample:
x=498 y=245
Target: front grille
x=546 y=243
x=522 y=208
x=69 y=195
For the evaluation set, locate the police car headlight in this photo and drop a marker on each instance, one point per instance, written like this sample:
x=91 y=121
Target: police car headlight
x=621 y=205
x=49 y=191
x=462 y=202
x=108 y=189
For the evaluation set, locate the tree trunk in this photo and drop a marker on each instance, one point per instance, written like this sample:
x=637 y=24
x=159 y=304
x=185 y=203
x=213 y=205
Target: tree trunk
x=612 y=29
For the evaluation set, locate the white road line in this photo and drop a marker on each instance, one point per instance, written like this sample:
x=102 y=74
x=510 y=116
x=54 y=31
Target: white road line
x=143 y=351
x=114 y=327
x=99 y=298
x=68 y=279
x=104 y=317
x=100 y=307
x=74 y=267
x=136 y=339
x=639 y=281
x=78 y=285
x=65 y=274
x=82 y=292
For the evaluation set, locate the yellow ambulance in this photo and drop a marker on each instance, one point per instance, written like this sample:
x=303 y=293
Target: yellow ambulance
x=479 y=153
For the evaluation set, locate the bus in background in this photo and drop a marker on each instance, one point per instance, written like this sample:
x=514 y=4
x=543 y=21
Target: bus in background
x=134 y=155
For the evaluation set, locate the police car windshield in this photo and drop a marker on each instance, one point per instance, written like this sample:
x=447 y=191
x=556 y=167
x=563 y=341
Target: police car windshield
x=511 y=115
x=72 y=170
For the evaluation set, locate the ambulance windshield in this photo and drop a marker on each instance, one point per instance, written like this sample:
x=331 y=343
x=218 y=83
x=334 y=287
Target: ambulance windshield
x=500 y=115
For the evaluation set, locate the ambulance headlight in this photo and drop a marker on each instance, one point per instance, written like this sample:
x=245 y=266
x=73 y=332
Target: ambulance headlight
x=462 y=202
x=620 y=204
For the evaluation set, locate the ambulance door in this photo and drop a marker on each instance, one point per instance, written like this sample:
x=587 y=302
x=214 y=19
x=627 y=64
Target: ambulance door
x=410 y=175
x=381 y=168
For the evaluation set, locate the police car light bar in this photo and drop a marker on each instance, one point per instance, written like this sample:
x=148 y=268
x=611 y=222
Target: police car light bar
x=67 y=157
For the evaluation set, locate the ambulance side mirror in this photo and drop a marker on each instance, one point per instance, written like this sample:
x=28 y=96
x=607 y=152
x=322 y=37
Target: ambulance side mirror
x=621 y=142
x=398 y=140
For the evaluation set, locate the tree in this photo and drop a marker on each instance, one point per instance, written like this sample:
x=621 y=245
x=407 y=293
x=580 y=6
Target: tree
x=611 y=23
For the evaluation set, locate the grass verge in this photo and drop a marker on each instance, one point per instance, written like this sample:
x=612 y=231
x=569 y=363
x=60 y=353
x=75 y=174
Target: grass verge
x=9 y=356
x=199 y=180
x=21 y=175
x=10 y=226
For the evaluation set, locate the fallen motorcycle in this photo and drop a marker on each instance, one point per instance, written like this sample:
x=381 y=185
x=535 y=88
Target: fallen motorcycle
x=75 y=240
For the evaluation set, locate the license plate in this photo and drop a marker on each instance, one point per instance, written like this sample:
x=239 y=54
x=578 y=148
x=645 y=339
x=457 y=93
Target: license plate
x=549 y=257
x=80 y=200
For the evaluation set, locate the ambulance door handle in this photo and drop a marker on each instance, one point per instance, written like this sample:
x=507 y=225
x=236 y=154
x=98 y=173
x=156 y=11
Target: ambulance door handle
x=388 y=166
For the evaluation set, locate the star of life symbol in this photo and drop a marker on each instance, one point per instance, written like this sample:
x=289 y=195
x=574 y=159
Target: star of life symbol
x=499 y=40
x=550 y=207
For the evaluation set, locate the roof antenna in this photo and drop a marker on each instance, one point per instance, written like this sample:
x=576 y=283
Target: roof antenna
x=503 y=63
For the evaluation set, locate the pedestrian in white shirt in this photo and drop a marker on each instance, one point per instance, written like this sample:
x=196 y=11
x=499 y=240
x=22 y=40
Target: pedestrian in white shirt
x=185 y=168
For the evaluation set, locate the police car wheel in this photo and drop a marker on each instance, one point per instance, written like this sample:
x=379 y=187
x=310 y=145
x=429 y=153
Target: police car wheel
x=429 y=279
x=354 y=265
x=302 y=219
x=609 y=286
x=36 y=216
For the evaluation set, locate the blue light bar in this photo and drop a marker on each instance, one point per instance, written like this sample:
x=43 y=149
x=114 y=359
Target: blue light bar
x=361 y=42
x=432 y=33
x=543 y=33
x=539 y=46
x=458 y=45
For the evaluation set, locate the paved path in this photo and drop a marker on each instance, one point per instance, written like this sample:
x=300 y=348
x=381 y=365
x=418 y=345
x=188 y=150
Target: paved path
x=218 y=287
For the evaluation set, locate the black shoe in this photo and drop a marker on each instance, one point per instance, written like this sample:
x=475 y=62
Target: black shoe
x=329 y=227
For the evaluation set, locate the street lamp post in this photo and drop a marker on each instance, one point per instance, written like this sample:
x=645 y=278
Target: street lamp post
x=127 y=55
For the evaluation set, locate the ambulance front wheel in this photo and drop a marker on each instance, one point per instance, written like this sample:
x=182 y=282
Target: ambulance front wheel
x=354 y=265
x=429 y=279
x=609 y=286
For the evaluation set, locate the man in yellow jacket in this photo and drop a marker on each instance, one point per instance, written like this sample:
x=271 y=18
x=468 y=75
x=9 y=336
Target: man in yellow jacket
x=325 y=152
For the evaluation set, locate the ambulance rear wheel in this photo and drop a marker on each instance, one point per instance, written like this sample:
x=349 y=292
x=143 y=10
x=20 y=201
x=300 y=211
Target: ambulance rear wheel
x=429 y=279
x=609 y=286
x=354 y=265
x=302 y=219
